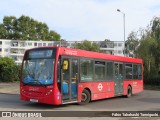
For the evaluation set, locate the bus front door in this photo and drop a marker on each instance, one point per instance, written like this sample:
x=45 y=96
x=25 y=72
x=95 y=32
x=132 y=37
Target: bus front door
x=118 y=83
x=69 y=80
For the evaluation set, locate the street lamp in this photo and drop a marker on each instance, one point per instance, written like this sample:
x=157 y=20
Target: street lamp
x=123 y=26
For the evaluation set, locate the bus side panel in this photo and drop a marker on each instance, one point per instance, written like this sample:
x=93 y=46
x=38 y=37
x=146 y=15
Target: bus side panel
x=137 y=86
x=99 y=90
x=57 y=96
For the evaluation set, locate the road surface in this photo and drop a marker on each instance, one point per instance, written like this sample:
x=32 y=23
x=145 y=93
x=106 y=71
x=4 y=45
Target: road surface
x=148 y=100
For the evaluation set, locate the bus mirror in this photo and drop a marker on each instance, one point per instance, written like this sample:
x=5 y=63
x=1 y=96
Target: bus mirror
x=65 y=65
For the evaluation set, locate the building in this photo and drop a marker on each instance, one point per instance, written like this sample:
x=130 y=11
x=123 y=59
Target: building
x=16 y=48
x=112 y=47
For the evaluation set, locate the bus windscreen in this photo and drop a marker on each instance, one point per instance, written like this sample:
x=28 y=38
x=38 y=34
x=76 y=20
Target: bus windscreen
x=38 y=67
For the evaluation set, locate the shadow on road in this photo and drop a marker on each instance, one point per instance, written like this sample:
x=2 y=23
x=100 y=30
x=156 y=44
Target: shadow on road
x=13 y=101
x=114 y=98
x=41 y=106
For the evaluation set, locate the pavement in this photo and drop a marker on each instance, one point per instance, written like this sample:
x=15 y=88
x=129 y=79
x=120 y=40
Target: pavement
x=10 y=87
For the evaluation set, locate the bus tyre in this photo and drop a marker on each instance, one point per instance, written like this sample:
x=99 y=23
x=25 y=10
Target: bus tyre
x=85 y=97
x=129 y=92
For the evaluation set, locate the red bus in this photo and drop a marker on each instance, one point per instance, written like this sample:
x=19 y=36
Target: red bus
x=58 y=75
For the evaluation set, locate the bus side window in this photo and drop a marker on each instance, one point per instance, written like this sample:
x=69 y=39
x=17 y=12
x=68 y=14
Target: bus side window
x=135 y=71
x=99 y=70
x=109 y=71
x=129 y=72
x=139 y=72
x=86 y=70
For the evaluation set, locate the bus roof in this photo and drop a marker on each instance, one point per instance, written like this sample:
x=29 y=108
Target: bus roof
x=90 y=54
x=96 y=55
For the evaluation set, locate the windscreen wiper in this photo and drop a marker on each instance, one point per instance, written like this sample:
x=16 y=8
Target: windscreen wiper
x=37 y=81
x=28 y=83
x=33 y=83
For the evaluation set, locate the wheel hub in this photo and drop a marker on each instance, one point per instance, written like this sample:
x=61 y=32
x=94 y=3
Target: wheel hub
x=84 y=97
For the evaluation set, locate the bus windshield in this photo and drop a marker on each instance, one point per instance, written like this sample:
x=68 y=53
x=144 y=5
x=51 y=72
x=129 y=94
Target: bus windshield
x=38 y=69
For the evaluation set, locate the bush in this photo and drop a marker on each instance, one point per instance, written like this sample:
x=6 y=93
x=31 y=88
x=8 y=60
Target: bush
x=152 y=81
x=8 y=70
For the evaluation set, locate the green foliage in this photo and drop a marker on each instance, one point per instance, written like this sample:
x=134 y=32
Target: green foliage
x=149 y=50
x=26 y=28
x=87 y=45
x=53 y=36
x=145 y=52
x=147 y=47
x=8 y=70
x=155 y=31
x=131 y=44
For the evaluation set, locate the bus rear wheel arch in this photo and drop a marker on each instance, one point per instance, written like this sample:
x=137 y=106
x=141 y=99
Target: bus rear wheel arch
x=85 y=97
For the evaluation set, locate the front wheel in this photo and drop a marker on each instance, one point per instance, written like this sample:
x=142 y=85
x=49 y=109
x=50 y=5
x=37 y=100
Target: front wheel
x=85 y=97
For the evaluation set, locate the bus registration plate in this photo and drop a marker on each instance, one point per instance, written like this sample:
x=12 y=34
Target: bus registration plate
x=33 y=100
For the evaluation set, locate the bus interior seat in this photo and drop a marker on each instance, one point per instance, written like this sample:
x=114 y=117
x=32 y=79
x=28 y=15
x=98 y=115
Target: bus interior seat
x=65 y=87
x=74 y=88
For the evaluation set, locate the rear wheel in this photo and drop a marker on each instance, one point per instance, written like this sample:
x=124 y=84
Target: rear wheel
x=129 y=92
x=85 y=97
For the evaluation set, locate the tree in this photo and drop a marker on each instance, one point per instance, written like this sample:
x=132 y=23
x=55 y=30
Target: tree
x=53 y=36
x=145 y=51
x=87 y=45
x=8 y=70
x=155 y=31
x=26 y=28
x=131 y=44
x=149 y=48
x=8 y=27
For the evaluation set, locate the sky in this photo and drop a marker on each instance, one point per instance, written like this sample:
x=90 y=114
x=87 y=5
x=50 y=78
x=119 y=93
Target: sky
x=94 y=20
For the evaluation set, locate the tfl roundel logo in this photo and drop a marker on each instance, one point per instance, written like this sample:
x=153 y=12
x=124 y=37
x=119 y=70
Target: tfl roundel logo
x=100 y=86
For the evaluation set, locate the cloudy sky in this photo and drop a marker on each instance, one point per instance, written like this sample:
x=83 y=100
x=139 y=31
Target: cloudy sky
x=94 y=20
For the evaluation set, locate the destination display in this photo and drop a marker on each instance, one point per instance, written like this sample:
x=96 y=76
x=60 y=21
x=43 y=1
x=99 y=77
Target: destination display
x=46 y=53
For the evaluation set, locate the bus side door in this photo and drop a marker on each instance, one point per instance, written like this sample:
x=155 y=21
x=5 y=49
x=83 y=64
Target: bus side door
x=69 y=79
x=118 y=78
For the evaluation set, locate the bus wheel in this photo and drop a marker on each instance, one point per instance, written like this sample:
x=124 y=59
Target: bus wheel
x=129 y=92
x=85 y=97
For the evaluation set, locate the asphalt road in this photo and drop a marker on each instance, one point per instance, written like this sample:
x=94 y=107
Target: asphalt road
x=148 y=100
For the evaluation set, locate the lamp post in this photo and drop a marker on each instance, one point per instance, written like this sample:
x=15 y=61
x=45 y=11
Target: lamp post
x=123 y=26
